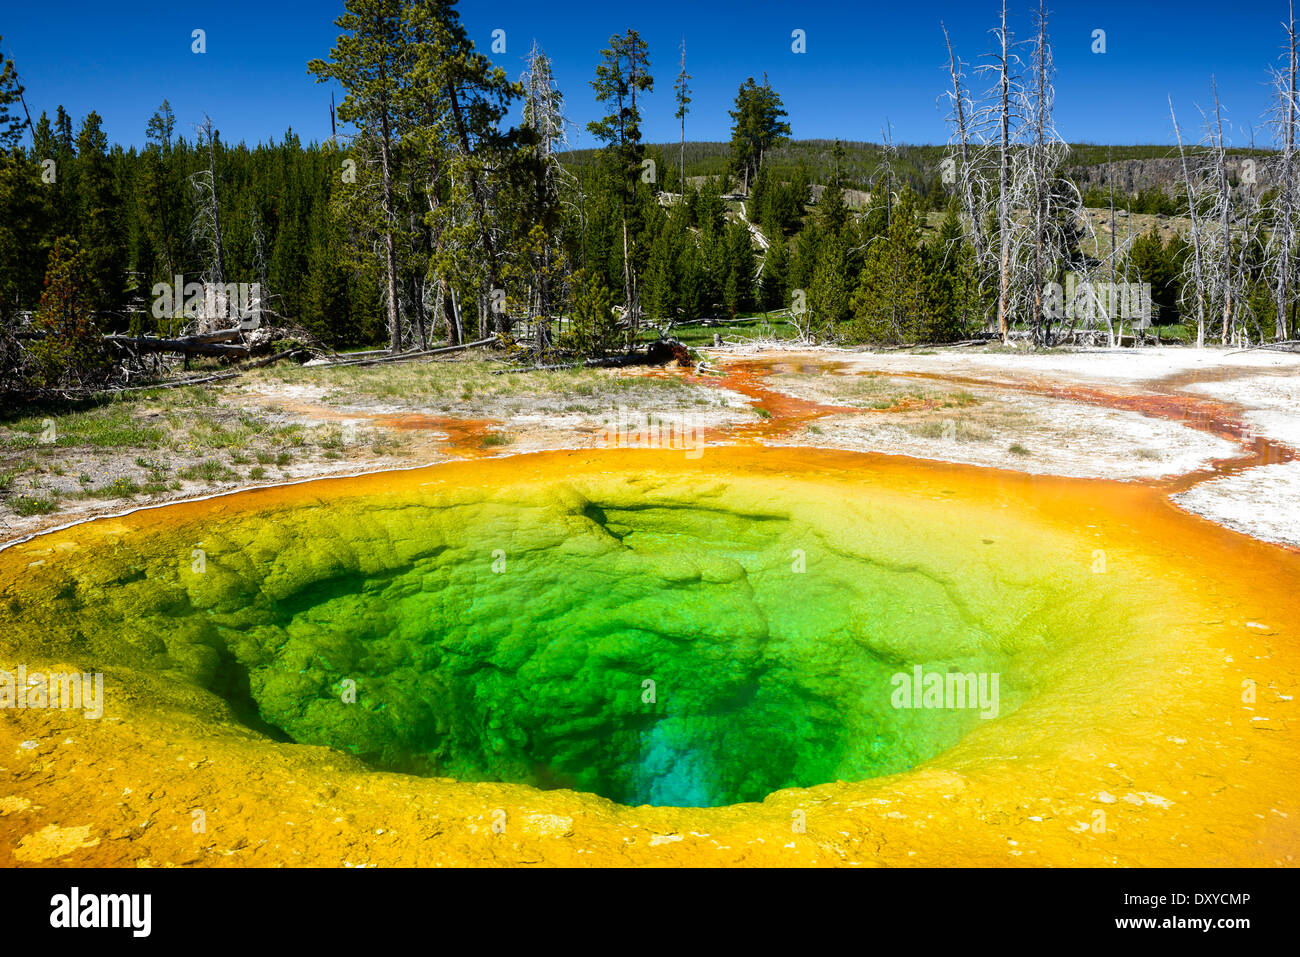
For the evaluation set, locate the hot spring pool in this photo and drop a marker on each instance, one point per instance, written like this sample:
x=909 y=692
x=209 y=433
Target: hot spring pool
x=679 y=638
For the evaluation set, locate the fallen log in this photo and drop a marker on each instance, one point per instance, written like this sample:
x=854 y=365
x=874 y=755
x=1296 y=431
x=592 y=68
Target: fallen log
x=219 y=343
x=935 y=345
x=418 y=354
x=202 y=380
x=188 y=346
x=657 y=353
x=221 y=335
x=218 y=377
x=1284 y=345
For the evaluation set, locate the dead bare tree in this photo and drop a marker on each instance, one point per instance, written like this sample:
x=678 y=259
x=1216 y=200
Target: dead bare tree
x=1002 y=114
x=1007 y=174
x=1115 y=263
x=1113 y=258
x=964 y=168
x=882 y=177
x=544 y=114
x=1194 y=269
x=1054 y=208
x=1223 y=272
x=205 y=231
x=1225 y=267
x=1284 y=221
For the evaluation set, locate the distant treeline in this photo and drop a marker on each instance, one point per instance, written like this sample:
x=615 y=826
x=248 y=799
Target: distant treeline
x=434 y=219
x=920 y=167
x=133 y=215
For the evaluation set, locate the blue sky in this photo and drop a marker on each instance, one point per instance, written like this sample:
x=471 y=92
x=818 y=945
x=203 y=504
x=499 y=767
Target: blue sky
x=864 y=62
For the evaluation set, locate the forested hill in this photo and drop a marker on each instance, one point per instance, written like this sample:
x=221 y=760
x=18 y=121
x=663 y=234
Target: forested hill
x=436 y=217
x=135 y=211
x=1137 y=168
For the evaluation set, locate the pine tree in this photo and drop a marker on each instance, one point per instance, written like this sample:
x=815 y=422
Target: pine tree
x=71 y=352
x=694 y=291
x=465 y=96
x=1159 y=265
x=371 y=62
x=894 y=300
x=738 y=289
x=624 y=71
x=828 y=292
x=160 y=199
x=831 y=208
x=772 y=281
x=682 y=96
x=664 y=281
x=23 y=205
x=100 y=226
x=950 y=260
x=758 y=127
x=592 y=328
x=542 y=212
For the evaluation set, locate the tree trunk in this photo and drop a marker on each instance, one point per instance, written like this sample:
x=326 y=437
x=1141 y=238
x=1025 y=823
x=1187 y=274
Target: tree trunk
x=1198 y=274
x=1225 y=223
x=417 y=295
x=1287 y=200
x=628 y=293
x=480 y=205
x=1004 y=186
x=220 y=264
x=390 y=239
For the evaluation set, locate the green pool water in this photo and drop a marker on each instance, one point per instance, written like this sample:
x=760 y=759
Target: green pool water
x=669 y=641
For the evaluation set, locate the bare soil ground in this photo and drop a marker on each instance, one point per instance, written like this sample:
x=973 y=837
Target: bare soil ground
x=1108 y=414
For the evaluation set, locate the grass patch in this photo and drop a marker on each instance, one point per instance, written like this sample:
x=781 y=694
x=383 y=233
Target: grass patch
x=208 y=472
x=107 y=426
x=452 y=385
x=960 y=430
x=34 y=504
x=878 y=391
x=118 y=488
